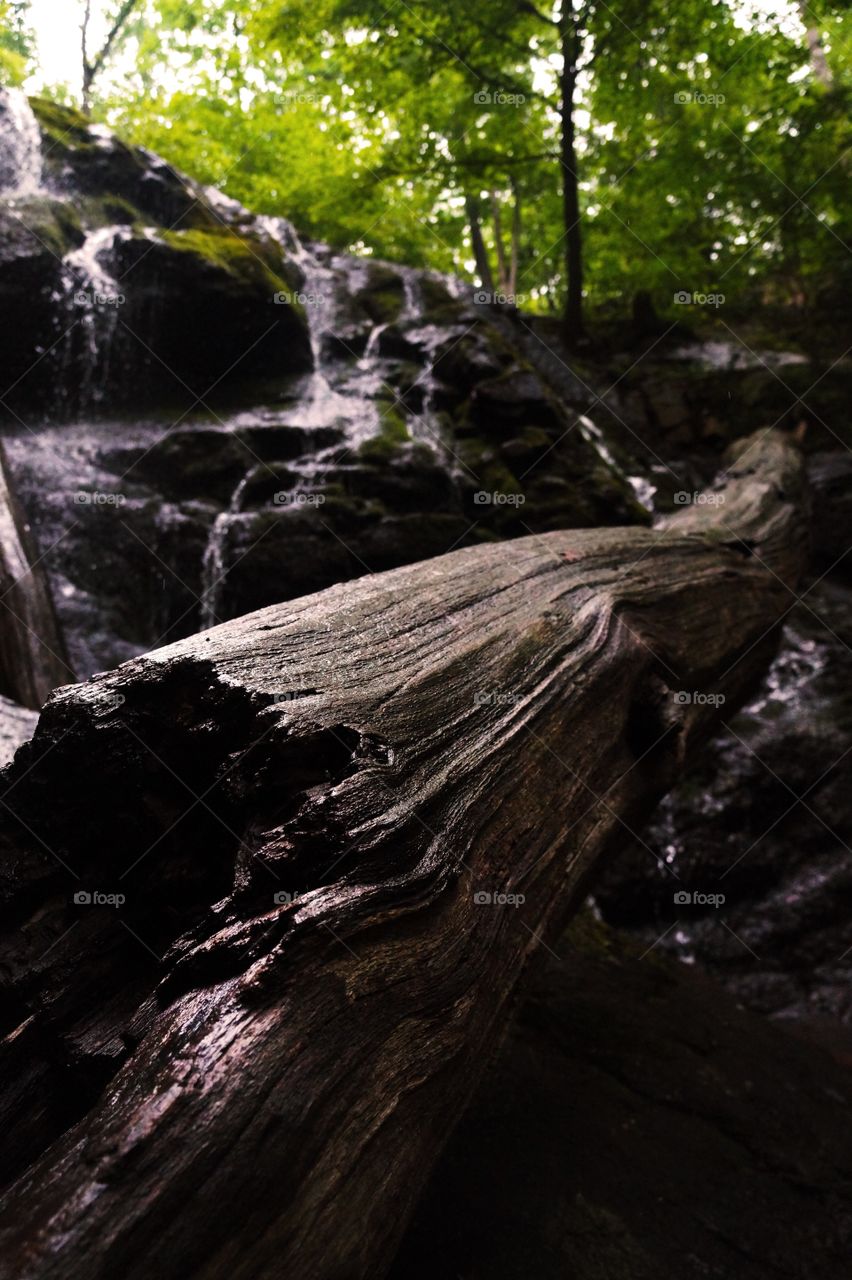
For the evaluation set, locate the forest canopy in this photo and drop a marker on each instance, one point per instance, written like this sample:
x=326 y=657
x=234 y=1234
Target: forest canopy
x=564 y=156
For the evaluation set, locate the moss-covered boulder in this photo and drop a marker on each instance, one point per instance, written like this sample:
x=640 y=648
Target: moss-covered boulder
x=124 y=283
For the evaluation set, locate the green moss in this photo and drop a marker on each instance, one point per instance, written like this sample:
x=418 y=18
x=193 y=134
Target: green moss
x=434 y=294
x=109 y=211
x=233 y=254
x=383 y=306
x=54 y=224
x=383 y=295
x=491 y=472
x=392 y=435
x=64 y=126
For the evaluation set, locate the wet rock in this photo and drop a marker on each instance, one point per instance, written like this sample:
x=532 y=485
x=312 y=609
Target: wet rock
x=359 y=422
x=464 y=360
x=123 y=285
x=382 y=296
x=518 y=398
x=638 y=1124
x=830 y=475
x=767 y=824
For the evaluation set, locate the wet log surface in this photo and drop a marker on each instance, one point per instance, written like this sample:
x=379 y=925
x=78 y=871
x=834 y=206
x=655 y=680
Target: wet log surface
x=253 y=1061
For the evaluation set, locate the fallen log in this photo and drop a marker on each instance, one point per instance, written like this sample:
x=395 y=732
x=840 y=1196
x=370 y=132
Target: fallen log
x=342 y=828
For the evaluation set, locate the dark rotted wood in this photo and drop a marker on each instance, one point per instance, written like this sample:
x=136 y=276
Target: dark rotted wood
x=219 y=1084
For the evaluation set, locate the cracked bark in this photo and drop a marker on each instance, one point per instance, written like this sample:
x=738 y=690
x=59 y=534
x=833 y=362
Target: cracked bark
x=214 y=1080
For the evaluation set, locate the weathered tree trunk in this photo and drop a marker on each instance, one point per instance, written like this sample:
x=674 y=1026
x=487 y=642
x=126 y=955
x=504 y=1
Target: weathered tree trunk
x=32 y=654
x=408 y=756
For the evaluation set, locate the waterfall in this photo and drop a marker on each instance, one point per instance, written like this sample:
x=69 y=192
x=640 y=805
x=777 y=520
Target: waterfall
x=93 y=298
x=213 y=571
x=20 y=147
x=592 y=434
x=213 y=567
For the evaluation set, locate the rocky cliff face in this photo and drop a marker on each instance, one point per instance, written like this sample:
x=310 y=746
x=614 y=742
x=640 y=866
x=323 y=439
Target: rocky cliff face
x=122 y=282
x=207 y=416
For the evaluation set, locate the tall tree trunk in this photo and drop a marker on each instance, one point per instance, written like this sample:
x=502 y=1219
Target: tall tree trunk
x=516 y=238
x=480 y=253
x=343 y=826
x=573 y=308
x=88 y=69
x=502 y=266
x=814 y=38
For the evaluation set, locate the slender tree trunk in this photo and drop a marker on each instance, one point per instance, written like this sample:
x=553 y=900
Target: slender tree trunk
x=88 y=69
x=480 y=253
x=573 y=309
x=502 y=265
x=516 y=239
x=818 y=60
x=93 y=66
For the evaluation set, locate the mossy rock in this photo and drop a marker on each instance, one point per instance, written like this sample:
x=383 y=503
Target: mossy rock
x=66 y=127
x=383 y=296
x=232 y=253
x=41 y=223
x=109 y=211
x=392 y=435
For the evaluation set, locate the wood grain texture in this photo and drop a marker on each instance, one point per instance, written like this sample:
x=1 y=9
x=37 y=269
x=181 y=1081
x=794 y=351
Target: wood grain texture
x=255 y=1087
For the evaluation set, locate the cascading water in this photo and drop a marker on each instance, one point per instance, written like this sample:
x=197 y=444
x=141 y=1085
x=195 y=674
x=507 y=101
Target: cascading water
x=592 y=433
x=21 y=173
x=339 y=395
x=213 y=571
x=92 y=298
x=214 y=568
